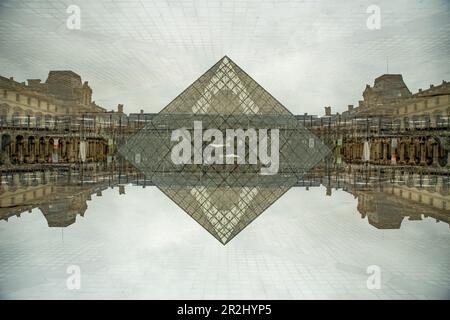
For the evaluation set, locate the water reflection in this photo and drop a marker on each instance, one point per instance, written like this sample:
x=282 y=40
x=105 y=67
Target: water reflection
x=385 y=195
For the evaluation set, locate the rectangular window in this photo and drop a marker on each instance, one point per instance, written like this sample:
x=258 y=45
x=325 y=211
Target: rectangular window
x=39 y=103
x=17 y=97
x=29 y=101
x=48 y=106
x=5 y=94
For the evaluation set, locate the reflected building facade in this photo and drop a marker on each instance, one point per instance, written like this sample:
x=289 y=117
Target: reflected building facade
x=385 y=199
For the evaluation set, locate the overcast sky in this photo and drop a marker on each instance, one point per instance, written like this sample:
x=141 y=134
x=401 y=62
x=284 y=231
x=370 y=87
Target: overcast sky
x=308 y=54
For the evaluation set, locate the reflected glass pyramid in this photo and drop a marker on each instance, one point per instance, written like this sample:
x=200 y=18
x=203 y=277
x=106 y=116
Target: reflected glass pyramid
x=223 y=198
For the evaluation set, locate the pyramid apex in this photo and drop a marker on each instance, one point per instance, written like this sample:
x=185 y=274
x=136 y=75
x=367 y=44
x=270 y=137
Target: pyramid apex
x=225 y=57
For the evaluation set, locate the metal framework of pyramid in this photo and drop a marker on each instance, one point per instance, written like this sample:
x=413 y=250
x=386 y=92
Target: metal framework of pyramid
x=223 y=199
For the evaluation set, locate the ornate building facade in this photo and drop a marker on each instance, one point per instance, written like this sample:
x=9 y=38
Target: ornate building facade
x=52 y=121
x=63 y=93
x=396 y=126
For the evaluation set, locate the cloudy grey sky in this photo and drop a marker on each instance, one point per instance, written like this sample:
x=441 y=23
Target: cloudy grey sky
x=308 y=54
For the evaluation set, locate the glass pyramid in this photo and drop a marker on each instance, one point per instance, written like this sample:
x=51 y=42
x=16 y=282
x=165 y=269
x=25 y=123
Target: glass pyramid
x=223 y=198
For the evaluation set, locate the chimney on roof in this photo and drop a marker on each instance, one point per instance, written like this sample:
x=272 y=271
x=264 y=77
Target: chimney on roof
x=328 y=111
x=350 y=107
x=142 y=111
x=120 y=108
x=11 y=78
x=431 y=86
x=420 y=89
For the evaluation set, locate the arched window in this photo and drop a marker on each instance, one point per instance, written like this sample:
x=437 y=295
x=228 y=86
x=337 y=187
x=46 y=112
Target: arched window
x=440 y=121
x=6 y=142
x=4 y=109
x=406 y=122
x=396 y=124
x=416 y=122
x=426 y=121
x=28 y=121
x=16 y=118
x=48 y=121
x=38 y=120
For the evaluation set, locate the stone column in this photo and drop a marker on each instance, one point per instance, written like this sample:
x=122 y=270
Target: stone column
x=72 y=155
x=20 y=150
x=88 y=150
x=94 y=150
x=36 y=149
x=402 y=149
x=373 y=150
x=385 y=151
x=435 y=154
x=42 y=151
x=47 y=149
x=76 y=146
x=355 y=148
x=448 y=160
x=412 y=152
x=13 y=148
x=423 y=153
